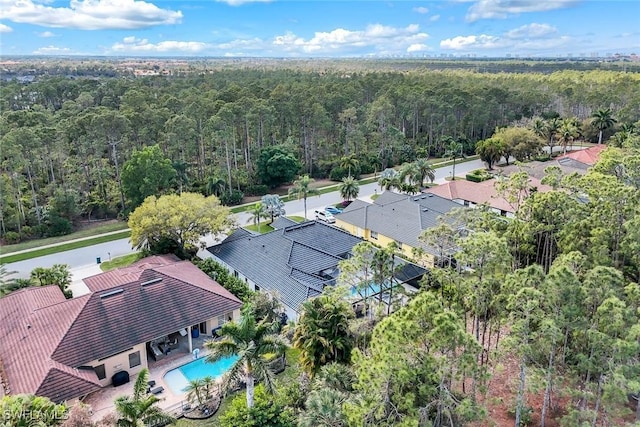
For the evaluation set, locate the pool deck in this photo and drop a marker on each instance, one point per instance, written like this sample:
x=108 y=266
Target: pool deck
x=101 y=401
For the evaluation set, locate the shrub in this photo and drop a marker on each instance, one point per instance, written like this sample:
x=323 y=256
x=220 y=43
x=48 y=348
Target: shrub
x=235 y=198
x=256 y=190
x=478 y=175
x=11 y=237
x=221 y=275
x=59 y=226
x=265 y=412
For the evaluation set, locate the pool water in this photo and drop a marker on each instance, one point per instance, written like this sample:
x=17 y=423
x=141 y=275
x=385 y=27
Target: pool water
x=178 y=379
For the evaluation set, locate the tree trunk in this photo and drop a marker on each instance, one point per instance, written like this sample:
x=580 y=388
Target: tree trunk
x=250 y=390
x=598 y=400
x=34 y=195
x=547 y=391
x=520 y=398
x=114 y=154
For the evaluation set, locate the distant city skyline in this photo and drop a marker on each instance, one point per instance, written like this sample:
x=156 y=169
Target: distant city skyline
x=307 y=29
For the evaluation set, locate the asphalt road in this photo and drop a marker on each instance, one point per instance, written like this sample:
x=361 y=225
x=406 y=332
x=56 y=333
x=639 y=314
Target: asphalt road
x=83 y=257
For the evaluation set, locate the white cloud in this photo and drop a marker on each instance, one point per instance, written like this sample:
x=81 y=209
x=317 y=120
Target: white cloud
x=133 y=44
x=241 y=2
x=532 y=37
x=52 y=50
x=417 y=47
x=5 y=28
x=46 y=34
x=380 y=38
x=421 y=10
x=89 y=14
x=532 y=30
x=501 y=9
x=434 y=18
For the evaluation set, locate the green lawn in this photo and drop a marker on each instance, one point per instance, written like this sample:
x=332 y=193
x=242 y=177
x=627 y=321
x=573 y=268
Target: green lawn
x=87 y=232
x=290 y=373
x=121 y=261
x=64 y=247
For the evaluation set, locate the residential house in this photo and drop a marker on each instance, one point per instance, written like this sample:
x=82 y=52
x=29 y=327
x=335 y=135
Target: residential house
x=294 y=262
x=398 y=218
x=582 y=159
x=65 y=349
x=472 y=194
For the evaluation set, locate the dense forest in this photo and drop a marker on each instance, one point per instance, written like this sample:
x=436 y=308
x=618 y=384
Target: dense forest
x=68 y=143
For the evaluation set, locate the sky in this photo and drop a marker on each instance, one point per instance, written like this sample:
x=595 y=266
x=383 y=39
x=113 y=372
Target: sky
x=319 y=28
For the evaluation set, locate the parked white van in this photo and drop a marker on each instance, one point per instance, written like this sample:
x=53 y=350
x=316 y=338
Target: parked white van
x=325 y=216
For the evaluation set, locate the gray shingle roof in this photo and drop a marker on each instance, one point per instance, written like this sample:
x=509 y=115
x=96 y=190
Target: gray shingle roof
x=282 y=222
x=400 y=217
x=294 y=262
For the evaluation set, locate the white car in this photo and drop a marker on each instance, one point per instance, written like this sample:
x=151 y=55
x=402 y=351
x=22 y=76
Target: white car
x=325 y=217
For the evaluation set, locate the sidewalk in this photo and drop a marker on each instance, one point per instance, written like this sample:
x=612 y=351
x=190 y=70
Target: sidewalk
x=52 y=245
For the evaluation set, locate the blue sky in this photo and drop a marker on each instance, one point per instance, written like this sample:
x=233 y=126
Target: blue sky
x=249 y=28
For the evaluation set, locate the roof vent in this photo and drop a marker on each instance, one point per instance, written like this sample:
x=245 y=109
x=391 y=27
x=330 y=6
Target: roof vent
x=151 y=282
x=416 y=199
x=429 y=195
x=423 y=197
x=425 y=210
x=112 y=293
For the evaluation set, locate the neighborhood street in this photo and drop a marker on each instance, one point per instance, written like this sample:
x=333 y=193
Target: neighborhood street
x=82 y=260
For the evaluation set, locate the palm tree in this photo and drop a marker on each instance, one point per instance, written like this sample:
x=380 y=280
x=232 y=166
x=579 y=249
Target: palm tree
x=302 y=189
x=140 y=409
x=215 y=185
x=322 y=334
x=200 y=390
x=324 y=409
x=453 y=152
x=603 y=120
x=251 y=342
x=426 y=171
x=567 y=133
x=258 y=212
x=551 y=127
x=389 y=179
x=410 y=172
x=349 y=188
x=348 y=162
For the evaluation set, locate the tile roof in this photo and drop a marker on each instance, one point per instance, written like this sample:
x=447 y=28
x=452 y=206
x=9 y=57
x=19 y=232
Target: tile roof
x=480 y=192
x=399 y=216
x=294 y=262
x=588 y=156
x=282 y=222
x=46 y=338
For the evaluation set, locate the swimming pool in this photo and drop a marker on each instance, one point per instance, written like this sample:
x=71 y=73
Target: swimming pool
x=178 y=379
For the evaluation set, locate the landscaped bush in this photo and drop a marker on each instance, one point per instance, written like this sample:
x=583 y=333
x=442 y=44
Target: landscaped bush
x=478 y=175
x=266 y=411
x=221 y=275
x=235 y=198
x=256 y=190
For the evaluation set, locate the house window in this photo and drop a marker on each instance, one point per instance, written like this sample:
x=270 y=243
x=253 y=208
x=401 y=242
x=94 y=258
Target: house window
x=134 y=359
x=374 y=235
x=100 y=372
x=221 y=320
x=257 y=288
x=235 y=274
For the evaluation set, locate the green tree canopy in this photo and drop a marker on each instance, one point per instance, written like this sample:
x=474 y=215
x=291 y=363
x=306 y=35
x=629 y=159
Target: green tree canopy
x=277 y=165
x=181 y=220
x=140 y=408
x=147 y=173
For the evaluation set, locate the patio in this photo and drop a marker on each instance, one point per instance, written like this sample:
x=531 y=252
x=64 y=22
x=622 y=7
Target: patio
x=102 y=400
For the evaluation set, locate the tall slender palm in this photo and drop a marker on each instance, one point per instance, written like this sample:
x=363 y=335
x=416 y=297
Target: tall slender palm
x=302 y=189
x=552 y=126
x=349 y=162
x=602 y=120
x=349 y=188
x=426 y=171
x=258 y=212
x=453 y=152
x=140 y=409
x=251 y=342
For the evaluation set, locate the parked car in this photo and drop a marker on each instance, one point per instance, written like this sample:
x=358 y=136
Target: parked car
x=333 y=210
x=325 y=216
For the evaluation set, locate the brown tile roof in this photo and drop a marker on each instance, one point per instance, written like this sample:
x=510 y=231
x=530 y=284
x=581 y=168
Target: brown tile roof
x=33 y=321
x=45 y=337
x=111 y=323
x=588 y=156
x=480 y=192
